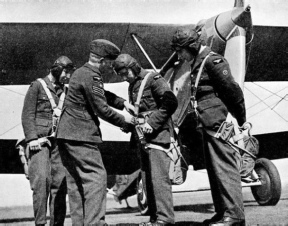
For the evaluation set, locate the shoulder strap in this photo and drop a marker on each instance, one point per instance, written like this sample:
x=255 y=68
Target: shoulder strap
x=51 y=99
x=62 y=98
x=140 y=92
x=47 y=91
x=199 y=75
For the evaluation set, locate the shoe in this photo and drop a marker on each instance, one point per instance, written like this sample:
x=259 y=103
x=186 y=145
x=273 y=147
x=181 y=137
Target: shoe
x=228 y=221
x=160 y=223
x=247 y=179
x=155 y=223
x=146 y=224
x=215 y=218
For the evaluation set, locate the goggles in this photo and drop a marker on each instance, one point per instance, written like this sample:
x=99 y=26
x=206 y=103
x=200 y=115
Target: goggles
x=122 y=72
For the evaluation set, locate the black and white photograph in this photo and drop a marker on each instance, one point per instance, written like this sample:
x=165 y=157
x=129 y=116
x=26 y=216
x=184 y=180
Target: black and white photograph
x=144 y=112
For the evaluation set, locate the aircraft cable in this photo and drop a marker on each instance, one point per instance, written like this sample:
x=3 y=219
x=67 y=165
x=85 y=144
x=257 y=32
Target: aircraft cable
x=13 y=91
x=283 y=98
x=268 y=107
x=263 y=100
x=270 y=90
x=149 y=43
x=137 y=53
x=260 y=100
x=10 y=129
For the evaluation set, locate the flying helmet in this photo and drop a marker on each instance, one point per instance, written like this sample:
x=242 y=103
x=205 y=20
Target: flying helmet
x=63 y=62
x=126 y=61
x=186 y=38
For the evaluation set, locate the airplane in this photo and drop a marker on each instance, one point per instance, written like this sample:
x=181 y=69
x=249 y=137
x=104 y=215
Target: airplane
x=27 y=49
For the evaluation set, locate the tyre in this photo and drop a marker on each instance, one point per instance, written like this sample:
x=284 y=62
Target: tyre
x=141 y=198
x=269 y=193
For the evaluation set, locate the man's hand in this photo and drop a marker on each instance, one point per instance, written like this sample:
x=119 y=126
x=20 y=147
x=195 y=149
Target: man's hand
x=129 y=118
x=34 y=145
x=147 y=128
x=129 y=107
x=176 y=129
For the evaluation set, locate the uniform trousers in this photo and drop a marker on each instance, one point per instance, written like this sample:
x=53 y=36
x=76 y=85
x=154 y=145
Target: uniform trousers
x=86 y=181
x=222 y=163
x=47 y=176
x=155 y=175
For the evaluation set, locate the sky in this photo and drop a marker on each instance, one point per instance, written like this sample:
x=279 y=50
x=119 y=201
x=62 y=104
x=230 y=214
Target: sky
x=264 y=12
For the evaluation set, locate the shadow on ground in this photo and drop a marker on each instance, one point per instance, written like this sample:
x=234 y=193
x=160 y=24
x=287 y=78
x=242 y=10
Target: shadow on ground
x=184 y=223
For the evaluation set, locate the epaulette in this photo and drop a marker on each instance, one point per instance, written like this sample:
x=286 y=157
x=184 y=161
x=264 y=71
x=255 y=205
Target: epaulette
x=32 y=83
x=218 y=61
x=157 y=76
x=97 y=79
x=217 y=58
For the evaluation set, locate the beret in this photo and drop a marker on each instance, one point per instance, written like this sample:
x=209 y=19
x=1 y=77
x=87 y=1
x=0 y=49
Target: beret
x=104 y=48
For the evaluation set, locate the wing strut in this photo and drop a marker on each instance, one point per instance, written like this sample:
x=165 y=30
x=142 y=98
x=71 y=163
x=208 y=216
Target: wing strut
x=143 y=51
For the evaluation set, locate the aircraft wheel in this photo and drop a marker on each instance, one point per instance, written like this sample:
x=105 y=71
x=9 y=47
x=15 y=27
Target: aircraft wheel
x=141 y=197
x=267 y=194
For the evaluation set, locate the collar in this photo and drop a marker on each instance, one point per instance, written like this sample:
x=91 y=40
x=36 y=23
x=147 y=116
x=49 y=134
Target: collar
x=142 y=74
x=138 y=79
x=49 y=84
x=93 y=68
x=200 y=57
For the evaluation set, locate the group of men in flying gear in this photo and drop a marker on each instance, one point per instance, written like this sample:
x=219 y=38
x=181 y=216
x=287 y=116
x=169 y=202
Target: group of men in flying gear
x=63 y=138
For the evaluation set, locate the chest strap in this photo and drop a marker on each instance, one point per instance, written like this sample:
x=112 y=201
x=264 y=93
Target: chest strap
x=140 y=93
x=193 y=95
x=57 y=109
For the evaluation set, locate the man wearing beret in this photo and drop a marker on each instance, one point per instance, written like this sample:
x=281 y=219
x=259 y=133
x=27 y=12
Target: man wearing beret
x=79 y=133
x=204 y=108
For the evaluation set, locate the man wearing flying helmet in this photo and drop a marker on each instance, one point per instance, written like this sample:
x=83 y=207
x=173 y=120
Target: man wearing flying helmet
x=158 y=98
x=46 y=172
x=205 y=108
x=79 y=134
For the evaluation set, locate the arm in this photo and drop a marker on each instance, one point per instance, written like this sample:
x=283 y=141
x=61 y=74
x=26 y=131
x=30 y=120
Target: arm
x=114 y=101
x=118 y=102
x=29 y=112
x=96 y=97
x=166 y=100
x=224 y=84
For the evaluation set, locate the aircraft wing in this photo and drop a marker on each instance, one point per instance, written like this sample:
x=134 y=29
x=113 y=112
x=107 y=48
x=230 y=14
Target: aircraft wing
x=28 y=49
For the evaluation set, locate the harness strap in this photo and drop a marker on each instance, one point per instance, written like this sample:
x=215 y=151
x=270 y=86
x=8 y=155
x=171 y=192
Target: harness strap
x=171 y=152
x=199 y=74
x=47 y=91
x=236 y=141
x=140 y=92
x=236 y=131
x=193 y=96
x=62 y=98
x=56 y=109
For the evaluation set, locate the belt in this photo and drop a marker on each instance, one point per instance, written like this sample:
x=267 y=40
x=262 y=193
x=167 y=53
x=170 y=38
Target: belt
x=77 y=106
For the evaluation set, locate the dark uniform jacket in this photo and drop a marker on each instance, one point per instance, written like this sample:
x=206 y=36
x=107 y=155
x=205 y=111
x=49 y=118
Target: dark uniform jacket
x=37 y=110
x=217 y=91
x=87 y=100
x=157 y=97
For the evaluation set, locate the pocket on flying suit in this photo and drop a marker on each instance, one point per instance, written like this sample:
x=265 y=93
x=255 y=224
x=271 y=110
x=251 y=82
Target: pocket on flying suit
x=212 y=112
